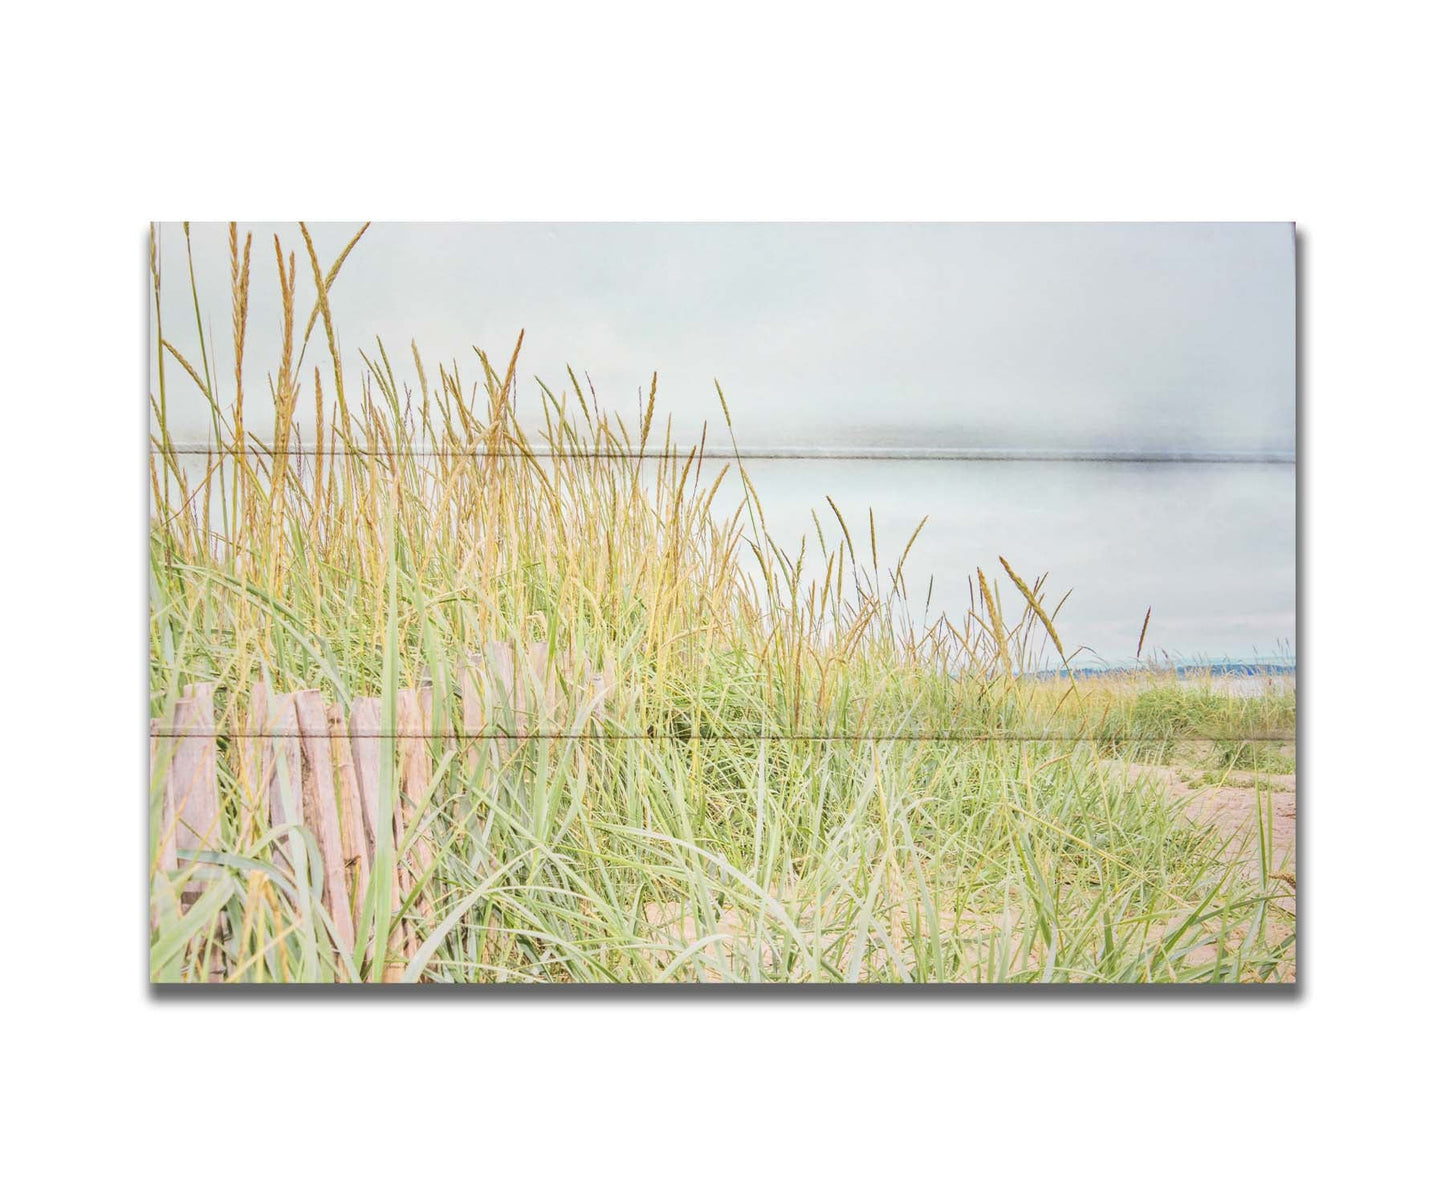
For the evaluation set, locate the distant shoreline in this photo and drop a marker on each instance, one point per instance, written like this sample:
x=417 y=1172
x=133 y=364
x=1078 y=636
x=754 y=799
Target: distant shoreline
x=1182 y=669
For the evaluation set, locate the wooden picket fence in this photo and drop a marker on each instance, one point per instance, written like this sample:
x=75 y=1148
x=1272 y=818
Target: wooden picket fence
x=304 y=762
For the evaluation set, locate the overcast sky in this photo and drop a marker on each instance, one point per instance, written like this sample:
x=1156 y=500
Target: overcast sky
x=1129 y=337
x=1154 y=338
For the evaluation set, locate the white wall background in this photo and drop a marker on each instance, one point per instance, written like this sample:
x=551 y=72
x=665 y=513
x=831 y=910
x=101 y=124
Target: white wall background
x=1120 y=110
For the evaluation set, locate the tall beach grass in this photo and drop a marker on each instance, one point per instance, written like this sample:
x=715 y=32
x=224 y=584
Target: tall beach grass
x=790 y=778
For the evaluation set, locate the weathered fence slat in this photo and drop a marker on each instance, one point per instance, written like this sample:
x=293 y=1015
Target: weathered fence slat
x=190 y=802
x=161 y=752
x=281 y=761
x=470 y=671
x=318 y=793
x=415 y=777
x=348 y=795
x=256 y=757
x=368 y=745
x=540 y=701
x=415 y=755
x=193 y=781
x=500 y=661
x=165 y=858
x=365 y=727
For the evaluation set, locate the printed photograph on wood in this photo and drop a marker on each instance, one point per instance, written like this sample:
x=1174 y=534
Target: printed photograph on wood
x=714 y=603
